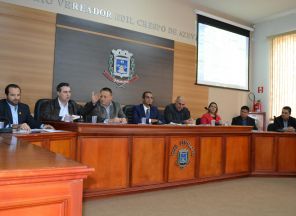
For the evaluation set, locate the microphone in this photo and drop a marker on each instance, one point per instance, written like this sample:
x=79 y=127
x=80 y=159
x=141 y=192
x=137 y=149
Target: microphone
x=4 y=129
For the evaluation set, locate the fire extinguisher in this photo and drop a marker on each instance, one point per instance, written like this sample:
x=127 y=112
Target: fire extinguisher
x=257 y=106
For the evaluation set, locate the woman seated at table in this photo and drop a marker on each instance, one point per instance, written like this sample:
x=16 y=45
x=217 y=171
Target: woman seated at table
x=211 y=115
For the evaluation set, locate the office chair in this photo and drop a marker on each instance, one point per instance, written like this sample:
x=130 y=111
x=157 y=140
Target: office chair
x=37 y=108
x=198 y=121
x=270 y=127
x=128 y=111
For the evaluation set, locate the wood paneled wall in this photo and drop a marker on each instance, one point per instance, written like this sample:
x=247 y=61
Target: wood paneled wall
x=27 y=41
x=185 y=77
x=27 y=38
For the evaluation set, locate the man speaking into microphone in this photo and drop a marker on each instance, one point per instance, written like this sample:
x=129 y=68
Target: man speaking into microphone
x=146 y=110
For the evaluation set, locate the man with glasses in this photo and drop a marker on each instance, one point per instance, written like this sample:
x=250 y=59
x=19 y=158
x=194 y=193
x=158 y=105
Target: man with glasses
x=146 y=110
x=285 y=122
x=244 y=119
x=177 y=112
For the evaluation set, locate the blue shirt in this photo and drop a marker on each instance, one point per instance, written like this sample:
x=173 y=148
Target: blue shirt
x=14 y=113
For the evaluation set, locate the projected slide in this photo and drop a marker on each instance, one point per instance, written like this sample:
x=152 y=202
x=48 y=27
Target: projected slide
x=222 y=58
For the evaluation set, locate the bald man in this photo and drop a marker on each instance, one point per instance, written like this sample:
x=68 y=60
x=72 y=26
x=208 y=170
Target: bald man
x=177 y=112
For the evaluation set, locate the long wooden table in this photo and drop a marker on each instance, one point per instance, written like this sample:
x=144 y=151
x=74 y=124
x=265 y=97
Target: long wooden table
x=34 y=181
x=130 y=158
x=273 y=153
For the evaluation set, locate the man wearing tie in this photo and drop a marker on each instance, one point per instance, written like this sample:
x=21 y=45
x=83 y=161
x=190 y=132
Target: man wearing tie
x=18 y=113
x=146 y=110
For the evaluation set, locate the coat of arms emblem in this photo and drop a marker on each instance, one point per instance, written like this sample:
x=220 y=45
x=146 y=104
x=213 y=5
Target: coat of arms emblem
x=183 y=151
x=121 y=68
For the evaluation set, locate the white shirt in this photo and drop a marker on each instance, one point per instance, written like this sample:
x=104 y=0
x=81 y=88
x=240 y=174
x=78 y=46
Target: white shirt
x=14 y=113
x=64 y=109
x=145 y=111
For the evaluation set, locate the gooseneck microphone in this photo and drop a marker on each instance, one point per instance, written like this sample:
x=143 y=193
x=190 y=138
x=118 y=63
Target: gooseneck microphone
x=5 y=129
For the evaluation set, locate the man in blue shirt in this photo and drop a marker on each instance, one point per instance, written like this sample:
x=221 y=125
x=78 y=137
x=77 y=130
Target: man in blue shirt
x=244 y=119
x=17 y=113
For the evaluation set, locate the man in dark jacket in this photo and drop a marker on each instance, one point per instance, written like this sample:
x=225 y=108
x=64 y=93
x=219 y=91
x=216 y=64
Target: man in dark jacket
x=285 y=122
x=62 y=108
x=103 y=106
x=17 y=113
x=244 y=119
x=146 y=110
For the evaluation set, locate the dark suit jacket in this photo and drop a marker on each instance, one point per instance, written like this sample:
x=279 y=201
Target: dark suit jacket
x=139 y=112
x=100 y=111
x=239 y=121
x=24 y=115
x=279 y=123
x=50 y=110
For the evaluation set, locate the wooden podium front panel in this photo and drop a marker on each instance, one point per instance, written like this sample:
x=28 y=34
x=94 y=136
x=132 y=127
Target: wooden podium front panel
x=109 y=157
x=264 y=153
x=287 y=154
x=148 y=158
x=177 y=171
x=237 y=154
x=210 y=164
x=60 y=142
x=65 y=147
x=61 y=198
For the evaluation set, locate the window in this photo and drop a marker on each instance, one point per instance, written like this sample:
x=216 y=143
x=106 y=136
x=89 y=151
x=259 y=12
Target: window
x=282 y=73
x=223 y=54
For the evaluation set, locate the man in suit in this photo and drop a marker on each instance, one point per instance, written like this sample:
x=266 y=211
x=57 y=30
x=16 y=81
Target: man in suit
x=18 y=113
x=285 y=122
x=178 y=112
x=102 y=106
x=62 y=108
x=146 y=110
x=244 y=119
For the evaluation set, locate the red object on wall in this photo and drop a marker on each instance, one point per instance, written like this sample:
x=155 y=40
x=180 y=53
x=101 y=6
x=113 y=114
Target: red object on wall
x=260 y=89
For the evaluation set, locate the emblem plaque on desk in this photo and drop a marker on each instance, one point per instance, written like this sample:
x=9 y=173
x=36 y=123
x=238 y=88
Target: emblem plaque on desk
x=121 y=69
x=183 y=151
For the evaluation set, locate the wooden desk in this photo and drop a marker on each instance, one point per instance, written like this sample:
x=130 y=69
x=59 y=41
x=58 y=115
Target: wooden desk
x=59 y=142
x=274 y=153
x=131 y=158
x=34 y=181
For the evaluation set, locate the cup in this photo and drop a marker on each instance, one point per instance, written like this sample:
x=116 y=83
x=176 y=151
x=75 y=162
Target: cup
x=213 y=122
x=94 y=119
x=143 y=120
x=1 y=124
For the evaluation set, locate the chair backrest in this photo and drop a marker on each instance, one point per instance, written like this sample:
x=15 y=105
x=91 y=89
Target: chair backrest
x=197 y=121
x=128 y=111
x=270 y=127
x=37 y=108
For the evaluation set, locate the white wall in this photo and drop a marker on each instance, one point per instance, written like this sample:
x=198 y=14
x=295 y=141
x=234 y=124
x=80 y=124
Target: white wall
x=261 y=52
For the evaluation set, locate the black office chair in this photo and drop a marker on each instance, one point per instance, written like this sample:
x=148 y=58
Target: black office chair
x=271 y=127
x=197 y=121
x=37 y=108
x=128 y=111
